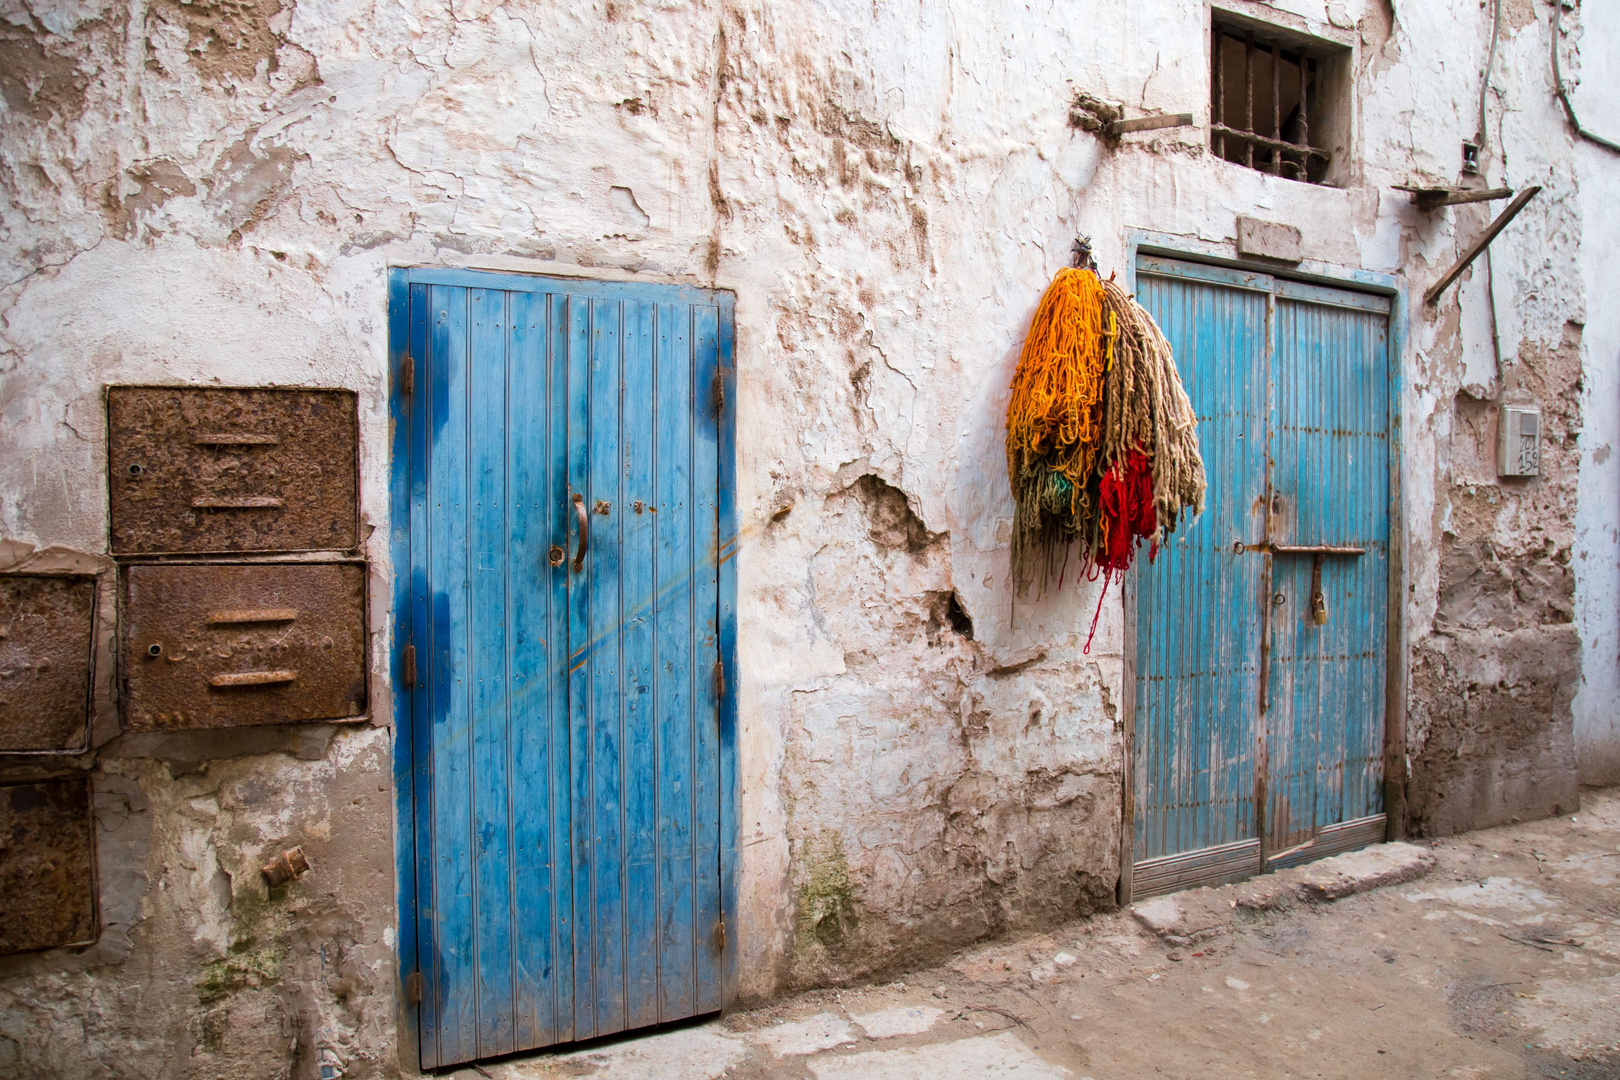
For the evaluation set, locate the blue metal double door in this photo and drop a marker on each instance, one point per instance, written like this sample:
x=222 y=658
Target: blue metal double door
x=561 y=655
x=1261 y=629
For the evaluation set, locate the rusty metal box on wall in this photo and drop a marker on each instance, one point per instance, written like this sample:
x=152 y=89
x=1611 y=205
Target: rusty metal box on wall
x=222 y=645
x=205 y=470
x=47 y=865
x=47 y=637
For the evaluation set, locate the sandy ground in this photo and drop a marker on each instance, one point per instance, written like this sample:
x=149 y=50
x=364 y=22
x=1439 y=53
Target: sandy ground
x=1503 y=961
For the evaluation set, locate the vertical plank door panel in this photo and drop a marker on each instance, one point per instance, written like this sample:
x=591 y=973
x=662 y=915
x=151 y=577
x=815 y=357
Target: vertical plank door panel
x=532 y=503
x=427 y=950
x=706 y=651
x=488 y=537
x=642 y=738
x=452 y=751
x=579 y=654
x=673 y=675
x=603 y=575
x=1197 y=624
x=564 y=810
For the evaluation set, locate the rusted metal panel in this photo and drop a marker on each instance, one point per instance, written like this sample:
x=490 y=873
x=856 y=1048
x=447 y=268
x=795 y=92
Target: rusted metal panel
x=47 y=865
x=47 y=635
x=214 y=471
x=225 y=645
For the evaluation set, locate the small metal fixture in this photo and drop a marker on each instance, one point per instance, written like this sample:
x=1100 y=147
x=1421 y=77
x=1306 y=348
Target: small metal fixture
x=584 y=531
x=288 y=866
x=1081 y=251
x=1318 y=601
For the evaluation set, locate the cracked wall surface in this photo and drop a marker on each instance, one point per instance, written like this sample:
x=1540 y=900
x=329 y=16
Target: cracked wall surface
x=213 y=191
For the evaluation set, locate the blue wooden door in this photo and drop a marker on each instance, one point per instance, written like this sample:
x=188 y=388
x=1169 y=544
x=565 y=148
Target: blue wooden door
x=564 y=486
x=1324 y=702
x=1258 y=723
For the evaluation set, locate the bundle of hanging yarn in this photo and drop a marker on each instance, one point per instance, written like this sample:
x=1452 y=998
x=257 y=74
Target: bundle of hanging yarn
x=1102 y=442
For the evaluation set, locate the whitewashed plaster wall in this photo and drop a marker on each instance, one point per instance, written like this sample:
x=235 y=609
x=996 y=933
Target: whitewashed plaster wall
x=1596 y=64
x=203 y=192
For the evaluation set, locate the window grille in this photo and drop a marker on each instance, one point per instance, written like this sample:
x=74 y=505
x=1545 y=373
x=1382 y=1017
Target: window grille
x=1266 y=104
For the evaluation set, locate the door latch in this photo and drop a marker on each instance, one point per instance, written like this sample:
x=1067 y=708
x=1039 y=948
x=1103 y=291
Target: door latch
x=719 y=679
x=1318 y=601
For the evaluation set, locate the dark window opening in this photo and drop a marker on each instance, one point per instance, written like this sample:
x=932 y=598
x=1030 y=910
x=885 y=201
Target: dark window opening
x=1270 y=103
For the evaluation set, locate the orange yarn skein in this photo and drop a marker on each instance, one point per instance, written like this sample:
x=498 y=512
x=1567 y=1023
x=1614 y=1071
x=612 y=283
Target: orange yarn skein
x=1054 y=413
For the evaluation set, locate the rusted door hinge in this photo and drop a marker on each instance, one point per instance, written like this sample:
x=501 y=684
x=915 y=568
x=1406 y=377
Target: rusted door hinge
x=407 y=376
x=719 y=679
x=413 y=988
x=719 y=391
x=409 y=664
x=720 y=936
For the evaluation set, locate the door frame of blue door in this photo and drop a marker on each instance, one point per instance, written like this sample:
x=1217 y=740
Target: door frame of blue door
x=400 y=279
x=1139 y=242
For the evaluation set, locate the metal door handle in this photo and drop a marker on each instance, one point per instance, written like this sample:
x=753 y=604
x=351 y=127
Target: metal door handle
x=584 y=531
x=253 y=678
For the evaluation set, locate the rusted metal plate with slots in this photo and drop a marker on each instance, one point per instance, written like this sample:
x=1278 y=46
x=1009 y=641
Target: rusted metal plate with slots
x=209 y=646
x=213 y=471
x=47 y=627
x=47 y=865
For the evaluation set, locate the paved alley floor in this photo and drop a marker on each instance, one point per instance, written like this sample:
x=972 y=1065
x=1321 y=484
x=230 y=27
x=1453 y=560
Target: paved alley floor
x=1500 y=961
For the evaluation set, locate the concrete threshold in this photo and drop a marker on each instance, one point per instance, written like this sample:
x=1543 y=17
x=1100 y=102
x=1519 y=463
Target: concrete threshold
x=1195 y=914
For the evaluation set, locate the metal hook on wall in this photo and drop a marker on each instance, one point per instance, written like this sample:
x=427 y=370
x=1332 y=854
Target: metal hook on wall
x=1082 y=254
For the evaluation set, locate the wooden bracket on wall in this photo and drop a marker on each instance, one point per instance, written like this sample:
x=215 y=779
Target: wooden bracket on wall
x=1149 y=123
x=1433 y=198
x=1481 y=244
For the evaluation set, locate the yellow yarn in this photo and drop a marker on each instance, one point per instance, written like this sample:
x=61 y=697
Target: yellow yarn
x=1053 y=414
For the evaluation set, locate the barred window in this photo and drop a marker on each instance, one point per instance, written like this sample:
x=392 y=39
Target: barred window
x=1276 y=100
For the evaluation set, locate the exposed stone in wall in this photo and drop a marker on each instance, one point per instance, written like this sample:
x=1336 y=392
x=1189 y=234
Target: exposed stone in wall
x=1491 y=688
x=933 y=798
x=203 y=970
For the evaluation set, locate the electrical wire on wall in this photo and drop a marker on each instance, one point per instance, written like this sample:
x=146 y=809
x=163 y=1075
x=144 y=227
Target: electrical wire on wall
x=1563 y=94
x=1480 y=140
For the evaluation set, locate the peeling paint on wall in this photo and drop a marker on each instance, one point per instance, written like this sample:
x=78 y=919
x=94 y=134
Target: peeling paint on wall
x=211 y=193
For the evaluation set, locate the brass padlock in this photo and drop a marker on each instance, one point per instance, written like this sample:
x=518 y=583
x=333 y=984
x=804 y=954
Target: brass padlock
x=1318 y=601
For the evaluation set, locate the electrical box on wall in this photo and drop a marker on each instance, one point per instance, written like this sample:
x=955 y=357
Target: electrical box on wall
x=1518 y=441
